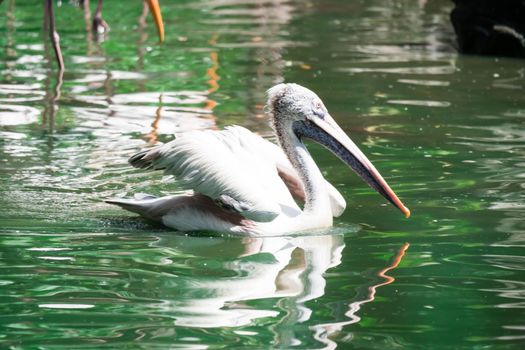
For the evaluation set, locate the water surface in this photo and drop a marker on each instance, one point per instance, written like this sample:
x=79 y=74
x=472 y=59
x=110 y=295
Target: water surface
x=445 y=130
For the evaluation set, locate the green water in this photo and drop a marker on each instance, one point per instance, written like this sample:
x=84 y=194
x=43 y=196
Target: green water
x=446 y=131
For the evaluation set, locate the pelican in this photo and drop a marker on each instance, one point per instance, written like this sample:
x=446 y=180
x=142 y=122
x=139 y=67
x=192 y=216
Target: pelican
x=240 y=183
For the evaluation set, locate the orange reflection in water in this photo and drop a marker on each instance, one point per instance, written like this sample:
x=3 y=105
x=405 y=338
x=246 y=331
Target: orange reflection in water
x=382 y=273
x=212 y=74
x=210 y=104
x=213 y=81
x=152 y=136
x=323 y=331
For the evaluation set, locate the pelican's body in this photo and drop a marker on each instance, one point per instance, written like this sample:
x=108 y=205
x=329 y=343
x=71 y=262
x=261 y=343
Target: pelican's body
x=239 y=182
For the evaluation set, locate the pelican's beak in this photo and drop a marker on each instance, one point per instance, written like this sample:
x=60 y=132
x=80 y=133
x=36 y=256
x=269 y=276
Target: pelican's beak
x=326 y=132
x=154 y=8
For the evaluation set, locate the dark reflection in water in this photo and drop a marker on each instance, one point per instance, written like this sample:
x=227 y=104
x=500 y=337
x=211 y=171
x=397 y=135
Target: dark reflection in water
x=445 y=130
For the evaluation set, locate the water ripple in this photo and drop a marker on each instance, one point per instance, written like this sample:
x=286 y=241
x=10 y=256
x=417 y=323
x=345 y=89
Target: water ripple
x=445 y=130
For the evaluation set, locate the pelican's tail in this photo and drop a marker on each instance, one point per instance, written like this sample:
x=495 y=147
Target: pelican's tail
x=142 y=203
x=187 y=212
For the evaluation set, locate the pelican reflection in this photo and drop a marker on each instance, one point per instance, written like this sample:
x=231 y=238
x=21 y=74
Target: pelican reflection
x=250 y=268
x=225 y=275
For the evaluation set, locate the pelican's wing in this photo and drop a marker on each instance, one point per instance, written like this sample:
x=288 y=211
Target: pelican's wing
x=232 y=166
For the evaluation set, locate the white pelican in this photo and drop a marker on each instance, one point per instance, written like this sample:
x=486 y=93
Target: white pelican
x=241 y=183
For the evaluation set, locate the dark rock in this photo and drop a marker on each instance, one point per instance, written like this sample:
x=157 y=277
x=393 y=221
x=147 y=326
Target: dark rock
x=490 y=27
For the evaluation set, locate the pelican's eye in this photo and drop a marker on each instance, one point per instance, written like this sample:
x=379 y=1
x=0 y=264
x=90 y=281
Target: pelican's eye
x=318 y=109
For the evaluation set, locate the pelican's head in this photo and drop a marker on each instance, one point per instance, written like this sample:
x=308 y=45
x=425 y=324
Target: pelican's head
x=301 y=112
x=294 y=102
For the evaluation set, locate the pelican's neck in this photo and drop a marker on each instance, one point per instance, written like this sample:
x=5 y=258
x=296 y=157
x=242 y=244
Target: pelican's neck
x=317 y=201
